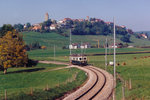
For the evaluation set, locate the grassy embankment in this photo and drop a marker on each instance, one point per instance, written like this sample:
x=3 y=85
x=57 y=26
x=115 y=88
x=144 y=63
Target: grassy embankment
x=19 y=81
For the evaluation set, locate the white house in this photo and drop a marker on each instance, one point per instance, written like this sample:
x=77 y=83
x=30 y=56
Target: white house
x=130 y=46
x=73 y=46
x=144 y=35
x=112 y=46
x=85 y=46
x=61 y=21
x=53 y=27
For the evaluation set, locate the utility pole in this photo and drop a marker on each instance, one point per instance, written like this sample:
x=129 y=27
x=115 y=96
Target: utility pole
x=70 y=47
x=114 y=83
x=98 y=43
x=106 y=54
x=82 y=48
x=70 y=42
x=54 y=53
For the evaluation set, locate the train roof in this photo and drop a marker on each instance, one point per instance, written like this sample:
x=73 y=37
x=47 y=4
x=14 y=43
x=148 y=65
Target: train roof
x=77 y=55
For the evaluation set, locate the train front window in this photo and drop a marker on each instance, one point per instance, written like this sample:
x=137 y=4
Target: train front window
x=79 y=58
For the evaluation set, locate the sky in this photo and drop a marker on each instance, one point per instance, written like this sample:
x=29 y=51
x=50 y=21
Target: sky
x=134 y=14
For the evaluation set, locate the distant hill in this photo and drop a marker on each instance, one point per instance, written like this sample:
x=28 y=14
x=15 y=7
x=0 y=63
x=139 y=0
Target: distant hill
x=148 y=32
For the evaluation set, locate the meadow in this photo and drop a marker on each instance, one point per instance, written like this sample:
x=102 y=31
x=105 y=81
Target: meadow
x=19 y=82
x=51 y=39
x=136 y=68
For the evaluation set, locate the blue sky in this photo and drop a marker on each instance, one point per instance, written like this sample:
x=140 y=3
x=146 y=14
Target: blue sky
x=132 y=13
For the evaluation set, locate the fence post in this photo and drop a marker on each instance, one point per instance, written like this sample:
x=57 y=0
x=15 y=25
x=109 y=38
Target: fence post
x=130 y=84
x=5 y=94
x=123 y=93
x=31 y=92
x=47 y=88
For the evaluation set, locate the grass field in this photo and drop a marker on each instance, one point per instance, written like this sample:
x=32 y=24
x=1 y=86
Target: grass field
x=19 y=81
x=62 y=55
x=135 y=69
x=51 y=39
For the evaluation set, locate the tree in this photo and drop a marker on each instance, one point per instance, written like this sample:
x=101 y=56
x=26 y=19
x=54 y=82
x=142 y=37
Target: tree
x=18 y=27
x=47 y=23
x=28 y=25
x=12 y=51
x=125 y=38
x=4 y=29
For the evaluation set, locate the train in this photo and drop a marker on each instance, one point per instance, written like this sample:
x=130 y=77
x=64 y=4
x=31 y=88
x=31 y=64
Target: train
x=78 y=59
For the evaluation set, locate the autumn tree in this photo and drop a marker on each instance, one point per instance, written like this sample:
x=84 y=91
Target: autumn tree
x=12 y=51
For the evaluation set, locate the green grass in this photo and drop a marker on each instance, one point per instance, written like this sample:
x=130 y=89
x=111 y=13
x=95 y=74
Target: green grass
x=49 y=39
x=20 y=80
x=136 y=69
x=61 y=55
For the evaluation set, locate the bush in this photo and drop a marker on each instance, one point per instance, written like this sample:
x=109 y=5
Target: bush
x=125 y=38
x=32 y=63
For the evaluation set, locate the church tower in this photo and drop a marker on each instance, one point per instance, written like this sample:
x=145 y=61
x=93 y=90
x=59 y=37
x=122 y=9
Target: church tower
x=46 y=17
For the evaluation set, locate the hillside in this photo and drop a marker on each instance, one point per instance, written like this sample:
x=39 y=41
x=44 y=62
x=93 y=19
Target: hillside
x=51 y=39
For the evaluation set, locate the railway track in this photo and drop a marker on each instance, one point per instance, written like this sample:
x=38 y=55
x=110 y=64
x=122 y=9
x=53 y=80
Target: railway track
x=98 y=87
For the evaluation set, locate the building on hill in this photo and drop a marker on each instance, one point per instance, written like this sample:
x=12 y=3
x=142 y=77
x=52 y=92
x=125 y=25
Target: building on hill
x=37 y=27
x=53 y=26
x=46 y=17
x=81 y=20
x=25 y=26
x=67 y=19
x=144 y=35
x=123 y=26
x=87 y=18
